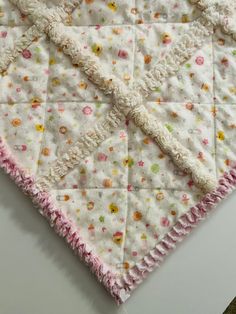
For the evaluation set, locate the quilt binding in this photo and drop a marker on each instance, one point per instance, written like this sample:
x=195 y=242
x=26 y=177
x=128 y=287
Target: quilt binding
x=119 y=288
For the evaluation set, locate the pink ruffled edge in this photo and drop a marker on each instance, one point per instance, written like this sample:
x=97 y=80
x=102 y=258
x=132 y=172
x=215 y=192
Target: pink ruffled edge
x=62 y=225
x=120 y=288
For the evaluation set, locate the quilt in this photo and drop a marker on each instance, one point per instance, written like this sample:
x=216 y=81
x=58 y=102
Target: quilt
x=118 y=120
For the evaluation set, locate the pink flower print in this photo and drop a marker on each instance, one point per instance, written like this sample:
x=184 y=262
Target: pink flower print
x=3 y=34
x=141 y=163
x=199 y=60
x=165 y=222
x=123 y=54
x=87 y=110
x=26 y=54
x=130 y=188
x=102 y=157
x=122 y=135
x=156 y=235
x=205 y=141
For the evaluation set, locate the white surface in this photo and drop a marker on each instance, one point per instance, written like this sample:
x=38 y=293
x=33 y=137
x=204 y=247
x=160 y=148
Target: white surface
x=39 y=274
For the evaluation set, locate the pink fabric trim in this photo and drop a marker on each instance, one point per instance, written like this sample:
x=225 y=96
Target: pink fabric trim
x=178 y=232
x=59 y=222
x=121 y=288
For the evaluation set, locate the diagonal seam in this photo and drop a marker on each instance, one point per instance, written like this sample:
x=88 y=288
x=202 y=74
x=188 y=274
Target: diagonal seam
x=129 y=102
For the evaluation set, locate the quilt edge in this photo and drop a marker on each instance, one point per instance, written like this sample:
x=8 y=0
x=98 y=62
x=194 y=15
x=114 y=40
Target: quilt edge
x=59 y=222
x=119 y=288
x=185 y=224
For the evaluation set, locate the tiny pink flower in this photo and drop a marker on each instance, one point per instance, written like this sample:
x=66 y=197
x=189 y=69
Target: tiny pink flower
x=3 y=34
x=165 y=222
x=129 y=188
x=18 y=89
x=123 y=54
x=87 y=110
x=205 y=141
x=141 y=163
x=26 y=54
x=156 y=235
x=102 y=157
x=199 y=60
x=134 y=253
x=122 y=135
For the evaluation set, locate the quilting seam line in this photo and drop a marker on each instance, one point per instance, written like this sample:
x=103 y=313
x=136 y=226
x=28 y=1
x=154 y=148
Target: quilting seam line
x=130 y=102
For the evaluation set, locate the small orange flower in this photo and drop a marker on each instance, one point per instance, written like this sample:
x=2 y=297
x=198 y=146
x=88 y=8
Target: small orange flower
x=137 y=215
x=16 y=122
x=147 y=59
x=63 y=129
x=66 y=197
x=46 y=151
x=107 y=183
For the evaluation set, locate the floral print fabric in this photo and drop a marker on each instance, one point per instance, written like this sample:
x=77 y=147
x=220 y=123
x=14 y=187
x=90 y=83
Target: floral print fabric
x=126 y=196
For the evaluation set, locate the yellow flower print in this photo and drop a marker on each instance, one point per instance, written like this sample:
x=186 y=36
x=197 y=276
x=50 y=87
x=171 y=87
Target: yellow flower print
x=52 y=61
x=185 y=18
x=221 y=135
x=232 y=90
x=118 y=237
x=56 y=81
x=128 y=162
x=113 y=208
x=46 y=151
x=83 y=85
x=166 y=39
x=160 y=196
x=112 y=5
x=39 y=127
x=117 y=31
x=97 y=49
x=115 y=172
x=143 y=236
x=205 y=87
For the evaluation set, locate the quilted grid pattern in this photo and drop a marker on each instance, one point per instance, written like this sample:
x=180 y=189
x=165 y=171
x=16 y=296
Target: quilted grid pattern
x=126 y=195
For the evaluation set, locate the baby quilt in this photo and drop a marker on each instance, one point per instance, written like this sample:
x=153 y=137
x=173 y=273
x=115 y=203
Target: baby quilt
x=118 y=120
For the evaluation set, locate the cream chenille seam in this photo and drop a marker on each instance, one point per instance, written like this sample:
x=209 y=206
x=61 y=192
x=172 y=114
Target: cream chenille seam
x=27 y=38
x=129 y=102
x=227 y=25
x=213 y=14
x=11 y=53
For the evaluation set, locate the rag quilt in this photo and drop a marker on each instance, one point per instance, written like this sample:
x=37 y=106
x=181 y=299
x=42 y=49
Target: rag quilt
x=118 y=119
